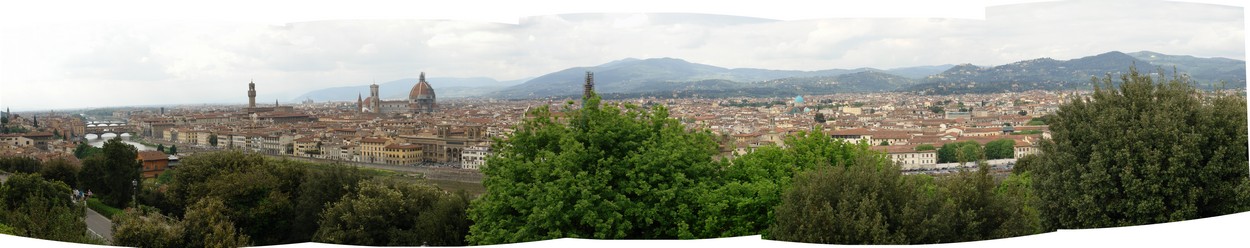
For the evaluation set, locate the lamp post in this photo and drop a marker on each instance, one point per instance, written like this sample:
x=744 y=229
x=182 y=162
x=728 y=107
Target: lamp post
x=134 y=196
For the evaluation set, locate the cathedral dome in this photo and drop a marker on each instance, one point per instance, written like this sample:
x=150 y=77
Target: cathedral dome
x=422 y=90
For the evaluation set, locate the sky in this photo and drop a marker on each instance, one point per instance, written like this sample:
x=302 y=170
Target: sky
x=85 y=54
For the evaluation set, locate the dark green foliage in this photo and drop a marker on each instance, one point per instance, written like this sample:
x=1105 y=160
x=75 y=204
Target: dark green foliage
x=925 y=147
x=396 y=214
x=110 y=175
x=105 y=210
x=820 y=118
x=860 y=203
x=160 y=147
x=1148 y=150
x=173 y=149
x=741 y=199
x=870 y=202
x=318 y=190
x=884 y=143
x=602 y=172
x=37 y=208
x=1243 y=195
x=83 y=151
x=20 y=164
x=6 y=229
x=208 y=223
x=1000 y=149
x=965 y=151
x=147 y=229
x=981 y=209
x=60 y=169
x=212 y=139
x=270 y=201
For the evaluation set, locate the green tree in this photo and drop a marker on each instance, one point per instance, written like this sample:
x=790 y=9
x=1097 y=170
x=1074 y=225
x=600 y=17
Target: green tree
x=969 y=153
x=884 y=143
x=605 y=172
x=820 y=118
x=1140 y=151
x=207 y=224
x=925 y=147
x=841 y=205
x=936 y=109
x=160 y=147
x=138 y=228
x=173 y=149
x=999 y=149
x=396 y=214
x=317 y=191
x=60 y=169
x=959 y=151
x=1023 y=113
x=270 y=201
x=111 y=174
x=37 y=208
x=20 y=164
x=212 y=139
x=741 y=200
x=83 y=150
x=871 y=202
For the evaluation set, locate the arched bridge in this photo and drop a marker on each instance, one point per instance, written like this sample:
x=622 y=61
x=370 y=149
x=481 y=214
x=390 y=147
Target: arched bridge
x=101 y=128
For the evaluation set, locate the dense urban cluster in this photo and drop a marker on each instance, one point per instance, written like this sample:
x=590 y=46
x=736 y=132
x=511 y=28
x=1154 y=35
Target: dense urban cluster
x=458 y=133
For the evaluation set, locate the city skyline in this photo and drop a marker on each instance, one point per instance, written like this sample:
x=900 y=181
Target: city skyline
x=67 y=65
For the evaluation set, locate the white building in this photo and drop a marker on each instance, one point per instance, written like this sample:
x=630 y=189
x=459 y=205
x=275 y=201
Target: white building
x=474 y=157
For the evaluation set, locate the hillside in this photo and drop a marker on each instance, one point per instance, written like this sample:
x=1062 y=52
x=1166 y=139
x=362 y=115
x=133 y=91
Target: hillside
x=1050 y=74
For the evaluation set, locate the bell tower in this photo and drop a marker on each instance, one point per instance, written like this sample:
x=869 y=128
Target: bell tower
x=590 y=85
x=251 y=94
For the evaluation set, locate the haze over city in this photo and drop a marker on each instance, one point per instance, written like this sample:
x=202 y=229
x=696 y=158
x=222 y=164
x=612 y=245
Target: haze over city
x=51 y=64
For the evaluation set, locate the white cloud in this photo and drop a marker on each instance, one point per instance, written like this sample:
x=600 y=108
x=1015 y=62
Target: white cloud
x=203 y=61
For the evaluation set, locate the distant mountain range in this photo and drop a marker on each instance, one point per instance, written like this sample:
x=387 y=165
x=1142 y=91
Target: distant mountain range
x=1050 y=74
x=675 y=77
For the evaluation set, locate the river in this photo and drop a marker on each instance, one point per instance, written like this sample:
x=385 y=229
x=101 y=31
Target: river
x=99 y=142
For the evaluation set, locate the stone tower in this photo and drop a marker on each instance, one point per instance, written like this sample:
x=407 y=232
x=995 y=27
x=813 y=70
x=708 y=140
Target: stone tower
x=375 y=101
x=590 y=85
x=360 y=106
x=251 y=94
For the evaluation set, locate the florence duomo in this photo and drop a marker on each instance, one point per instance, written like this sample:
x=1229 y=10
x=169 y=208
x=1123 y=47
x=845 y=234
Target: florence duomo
x=420 y=100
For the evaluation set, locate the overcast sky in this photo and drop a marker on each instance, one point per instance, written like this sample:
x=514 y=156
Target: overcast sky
x=89 y=57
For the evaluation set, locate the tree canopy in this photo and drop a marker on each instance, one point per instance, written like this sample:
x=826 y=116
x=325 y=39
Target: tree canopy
x=384 y=213
x=33 y=207
x=1139 y=151
x=604 y=172
x=111 y=173
x=1000 y=149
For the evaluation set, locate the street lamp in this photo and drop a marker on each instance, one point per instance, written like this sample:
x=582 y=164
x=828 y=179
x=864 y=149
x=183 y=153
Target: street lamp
x=134 y=196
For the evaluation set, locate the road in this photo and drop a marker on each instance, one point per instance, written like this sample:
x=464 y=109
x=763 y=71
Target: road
x=433 y=173
x=98 y=225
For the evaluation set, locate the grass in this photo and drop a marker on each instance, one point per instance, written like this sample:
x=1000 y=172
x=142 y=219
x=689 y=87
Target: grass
x=99 y=207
